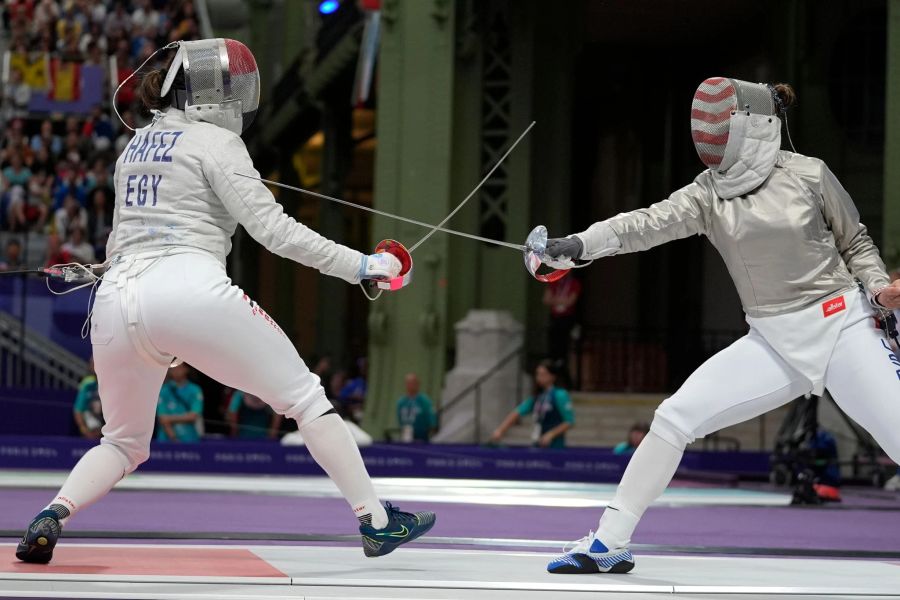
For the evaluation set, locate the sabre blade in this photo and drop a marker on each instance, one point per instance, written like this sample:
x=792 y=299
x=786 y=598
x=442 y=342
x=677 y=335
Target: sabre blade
x=382 y=213
x=475 y=190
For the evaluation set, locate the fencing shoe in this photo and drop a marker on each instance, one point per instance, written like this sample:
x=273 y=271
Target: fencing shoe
x=402 y=527
x=39 y=540
x=590 y=555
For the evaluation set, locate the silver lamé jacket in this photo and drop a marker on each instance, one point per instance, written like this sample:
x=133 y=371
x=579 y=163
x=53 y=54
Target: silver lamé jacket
x=793 y=241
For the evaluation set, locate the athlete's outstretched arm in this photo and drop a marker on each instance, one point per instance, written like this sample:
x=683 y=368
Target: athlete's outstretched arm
x=680 y=215
x=254 y=206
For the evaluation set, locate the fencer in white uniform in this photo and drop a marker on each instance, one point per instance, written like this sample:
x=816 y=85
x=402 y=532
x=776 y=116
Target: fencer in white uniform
x=166 y=295
x=810 y=280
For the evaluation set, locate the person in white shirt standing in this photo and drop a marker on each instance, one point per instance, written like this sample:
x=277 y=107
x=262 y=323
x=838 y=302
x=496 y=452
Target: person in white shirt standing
x=166 y=293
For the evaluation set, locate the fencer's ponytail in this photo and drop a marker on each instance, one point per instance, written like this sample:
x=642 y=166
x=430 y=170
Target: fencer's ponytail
x=786 y=96
x=149 y=91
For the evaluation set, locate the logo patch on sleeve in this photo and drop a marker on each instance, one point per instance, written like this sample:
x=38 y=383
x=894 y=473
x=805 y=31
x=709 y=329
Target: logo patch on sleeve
x=833 y=306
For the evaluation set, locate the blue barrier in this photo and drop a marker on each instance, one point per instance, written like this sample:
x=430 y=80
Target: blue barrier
x=58 y=318
x=384 y=460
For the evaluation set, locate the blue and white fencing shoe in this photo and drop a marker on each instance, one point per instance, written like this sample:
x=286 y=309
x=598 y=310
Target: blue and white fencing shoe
x=590 y=555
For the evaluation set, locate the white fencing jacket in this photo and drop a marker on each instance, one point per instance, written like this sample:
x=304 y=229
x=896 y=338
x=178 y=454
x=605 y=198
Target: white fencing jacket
x=176 y=188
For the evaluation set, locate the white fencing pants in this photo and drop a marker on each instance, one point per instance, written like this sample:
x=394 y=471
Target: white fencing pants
x=744 y=381
x=150 y=310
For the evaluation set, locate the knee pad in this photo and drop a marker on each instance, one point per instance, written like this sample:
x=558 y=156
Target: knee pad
x=668 y=425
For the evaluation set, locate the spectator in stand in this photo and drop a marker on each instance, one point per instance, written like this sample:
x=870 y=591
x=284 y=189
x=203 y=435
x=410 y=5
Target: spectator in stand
x=185 y=23
x=99 y=177
x=15 y=142
x=68 y=183
x=45 y=15
x=336 y=383
x=561 y=297
x=100 y=219
x=98 y=12
x=127 y=95
x=94 y=56
x=15 y=181
x=69 y=216
x=415 y=413
x=143 y=40
x=28 y=208
x=12 y=259
x=87 y=410
x=47 y=139
x=180 y=408
x=99 y=129
x=40 y=186
x=550 y=406
x=92 y=42
x=47 y=37
x=42 y=161
x=71 y=47
x=353 y=395
x=21 y=9
x=118 y=22
x=72 y=125
x=78 y=247
x=55 y=254
x=73 y=146
x=251 y=418
x=69 y=26
x=636 y=435
x=16 y=95
x=16 y=174
x=145 y=16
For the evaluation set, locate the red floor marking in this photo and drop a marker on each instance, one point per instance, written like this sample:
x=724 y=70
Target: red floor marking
x=128 y=560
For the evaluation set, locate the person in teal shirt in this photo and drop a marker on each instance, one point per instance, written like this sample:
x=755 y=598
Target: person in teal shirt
x=415 y=413
x=180 y=408
x=551 y=408
x=87 y=410
x=251 y=418
x=636 y=435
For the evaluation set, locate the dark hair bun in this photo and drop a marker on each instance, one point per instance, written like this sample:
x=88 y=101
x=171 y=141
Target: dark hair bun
x=148 y=92
x=786 y=94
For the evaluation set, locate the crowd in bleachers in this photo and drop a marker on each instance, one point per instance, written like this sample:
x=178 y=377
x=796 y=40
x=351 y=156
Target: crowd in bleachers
x=56 y=184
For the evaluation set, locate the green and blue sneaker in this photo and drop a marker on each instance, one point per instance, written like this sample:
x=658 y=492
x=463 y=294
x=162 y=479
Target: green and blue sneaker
x=39 y=540
x=402 y=527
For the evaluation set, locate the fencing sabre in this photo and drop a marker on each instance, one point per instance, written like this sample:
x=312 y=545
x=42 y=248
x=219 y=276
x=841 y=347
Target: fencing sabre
x=533 y=249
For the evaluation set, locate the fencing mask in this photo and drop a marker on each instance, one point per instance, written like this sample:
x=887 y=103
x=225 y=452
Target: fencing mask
x=736 y=131
x=221 y=83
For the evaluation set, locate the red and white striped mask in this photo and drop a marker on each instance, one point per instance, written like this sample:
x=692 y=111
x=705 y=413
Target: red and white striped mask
x=715 y=101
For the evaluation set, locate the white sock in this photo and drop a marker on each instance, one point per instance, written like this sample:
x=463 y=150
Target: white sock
x=331 y=445
x=91 y=479
x=648 y=473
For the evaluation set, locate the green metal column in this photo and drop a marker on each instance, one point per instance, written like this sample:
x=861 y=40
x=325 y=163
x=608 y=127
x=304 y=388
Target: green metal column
x=891 y=238
x=412 y=177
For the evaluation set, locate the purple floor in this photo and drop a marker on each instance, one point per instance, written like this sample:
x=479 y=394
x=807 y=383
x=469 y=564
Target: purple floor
x=868 y=520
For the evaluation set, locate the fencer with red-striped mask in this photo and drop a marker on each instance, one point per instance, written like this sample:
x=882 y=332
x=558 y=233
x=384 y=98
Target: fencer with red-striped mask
x=792 y=241
x=166 y=294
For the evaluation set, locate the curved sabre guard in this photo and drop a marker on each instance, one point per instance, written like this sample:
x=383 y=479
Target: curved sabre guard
x=535 y=247
x=406 y=265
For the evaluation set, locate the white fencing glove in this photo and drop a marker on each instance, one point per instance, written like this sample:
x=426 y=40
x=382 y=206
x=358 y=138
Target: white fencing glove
x=381 y=266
